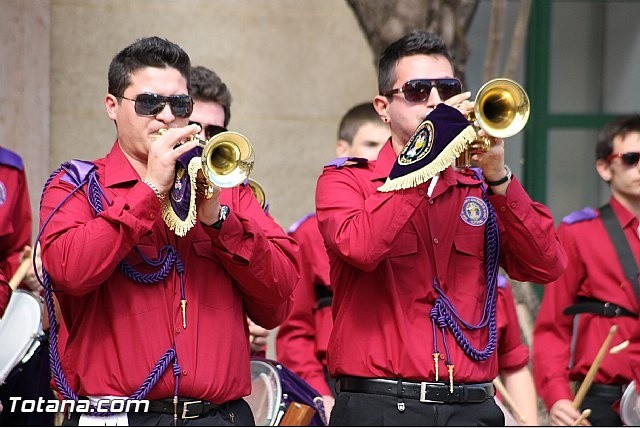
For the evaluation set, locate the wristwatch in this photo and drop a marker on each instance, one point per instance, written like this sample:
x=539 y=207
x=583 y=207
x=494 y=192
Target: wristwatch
x=503 y=180
x=224 y=212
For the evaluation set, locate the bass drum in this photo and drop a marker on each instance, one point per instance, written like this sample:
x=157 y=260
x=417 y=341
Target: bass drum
x=20 y=331
x=630 y=406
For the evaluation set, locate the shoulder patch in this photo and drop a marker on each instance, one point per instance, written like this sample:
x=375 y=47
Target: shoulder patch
x=76 y=171
x=587 y=213
x=299 y=222
x=346 y=161
x=12 y=159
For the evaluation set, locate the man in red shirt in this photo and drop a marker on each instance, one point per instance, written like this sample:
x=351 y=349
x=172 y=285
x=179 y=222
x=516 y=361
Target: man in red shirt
x=301 y=343
x=414 y=333
x=149 y=314
x=595 y=288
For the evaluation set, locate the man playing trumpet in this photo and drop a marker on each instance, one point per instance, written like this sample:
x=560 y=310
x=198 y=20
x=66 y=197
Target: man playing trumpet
x=414 y=269
x=149 y=314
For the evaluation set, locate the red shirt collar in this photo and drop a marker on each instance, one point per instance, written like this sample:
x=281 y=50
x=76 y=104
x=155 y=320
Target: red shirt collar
x=117 y=168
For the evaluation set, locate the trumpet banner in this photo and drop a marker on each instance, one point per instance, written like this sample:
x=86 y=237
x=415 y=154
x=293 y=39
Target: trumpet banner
x=436 y=143
x=179 y=208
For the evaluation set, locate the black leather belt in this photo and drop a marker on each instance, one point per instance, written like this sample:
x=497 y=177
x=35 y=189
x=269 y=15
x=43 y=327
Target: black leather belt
x=427 y=392
x=605 y=391
x=186 y=408
x=598 y=307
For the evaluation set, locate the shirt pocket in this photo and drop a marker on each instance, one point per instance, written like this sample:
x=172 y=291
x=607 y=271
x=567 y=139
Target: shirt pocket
x=468 y=264
x=215 y=286
x=402 y=259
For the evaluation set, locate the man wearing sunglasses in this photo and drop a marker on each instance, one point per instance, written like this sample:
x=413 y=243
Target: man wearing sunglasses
x=598 y=289
x=414 y=274
x=149 y=314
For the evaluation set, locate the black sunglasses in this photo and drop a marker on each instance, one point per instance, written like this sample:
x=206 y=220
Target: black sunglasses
x=210 y=130
x=418 y=90
x=152 y=104
x=629 y=158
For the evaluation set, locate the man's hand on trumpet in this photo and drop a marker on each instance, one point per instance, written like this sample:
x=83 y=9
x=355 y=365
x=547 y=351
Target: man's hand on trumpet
x=207 y=201
x=165 y=149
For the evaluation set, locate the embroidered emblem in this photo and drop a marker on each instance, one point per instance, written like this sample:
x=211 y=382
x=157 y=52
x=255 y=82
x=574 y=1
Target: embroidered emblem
x=418 y=147
x=474 y=211
x=3 y=194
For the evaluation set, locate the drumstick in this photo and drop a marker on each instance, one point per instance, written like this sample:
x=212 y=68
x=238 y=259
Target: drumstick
x=297 y=415
x=588 y=379
x=22 y=271
x=584 y=415
x=506 y=397
x=619 y=348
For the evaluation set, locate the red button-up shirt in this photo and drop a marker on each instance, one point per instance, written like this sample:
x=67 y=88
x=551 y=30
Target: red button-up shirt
x=302 y=340
x=385 y=249
x=512 y=353
x=5 y=292
x=15 y=211
x=118 y=329
x=593 y=271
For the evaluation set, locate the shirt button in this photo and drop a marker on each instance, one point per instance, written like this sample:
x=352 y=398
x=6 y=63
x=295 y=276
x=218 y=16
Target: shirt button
x=513 y=204
x=184 y=373
x=225 y=237
x=420 y=192
x=430 y=201
x=152 y=216
x=435 y=240
x=503 y=209
x=178 y=330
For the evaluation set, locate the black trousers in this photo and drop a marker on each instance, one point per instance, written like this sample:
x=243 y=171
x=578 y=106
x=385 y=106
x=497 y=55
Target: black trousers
x=599 y=399
x=359 y=409
x=29 y=381
x=232 y=413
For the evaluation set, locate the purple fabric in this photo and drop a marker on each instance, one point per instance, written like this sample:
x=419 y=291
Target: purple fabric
x=584 y=214
x=339 y=162
x=298 y=222
x=9 y=158
x=76 y=171
x=447 y=123
x=295 y=389
x=180 y=193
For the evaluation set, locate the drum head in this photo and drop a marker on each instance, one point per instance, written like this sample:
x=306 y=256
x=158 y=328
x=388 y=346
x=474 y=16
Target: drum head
x=630 y=406
x=20 y=326
x=266 y=393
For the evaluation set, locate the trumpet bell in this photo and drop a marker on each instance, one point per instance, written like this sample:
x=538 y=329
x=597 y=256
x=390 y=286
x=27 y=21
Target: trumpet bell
x=227 y=159
x=502 y=108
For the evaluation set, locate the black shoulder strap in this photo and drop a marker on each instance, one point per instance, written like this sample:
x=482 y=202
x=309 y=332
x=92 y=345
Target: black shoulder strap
x=625 y=256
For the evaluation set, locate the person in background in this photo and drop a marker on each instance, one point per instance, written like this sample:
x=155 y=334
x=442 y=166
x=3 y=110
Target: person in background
x=414 y=271
x=30 y=379
x=513 y=358
x=138 y=301
x=594 y=293
x=212 y=112
x=301 y=342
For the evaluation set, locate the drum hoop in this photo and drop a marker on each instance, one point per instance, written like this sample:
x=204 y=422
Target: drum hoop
x=274 y=396
x=14 y=316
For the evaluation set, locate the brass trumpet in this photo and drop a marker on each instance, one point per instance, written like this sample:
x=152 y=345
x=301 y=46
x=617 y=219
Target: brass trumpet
x=227 y=159
x=258 y=192
x=501 y=109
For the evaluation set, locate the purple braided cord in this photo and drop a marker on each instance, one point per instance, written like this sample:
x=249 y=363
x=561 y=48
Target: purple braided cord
x=444 y=313
x=168 y=257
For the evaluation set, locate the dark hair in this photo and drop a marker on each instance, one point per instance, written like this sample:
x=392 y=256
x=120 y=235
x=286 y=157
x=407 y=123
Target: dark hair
x=417 y=42
x=353 y=119
x=620 y=126
x=143 y=53
x=206 y=85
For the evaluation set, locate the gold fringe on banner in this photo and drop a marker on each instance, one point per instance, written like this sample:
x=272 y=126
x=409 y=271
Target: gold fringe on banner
x=175 y=223
x=440 y=163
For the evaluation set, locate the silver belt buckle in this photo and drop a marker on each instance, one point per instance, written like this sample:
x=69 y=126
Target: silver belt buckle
x=423 y=394
x=184 y=409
